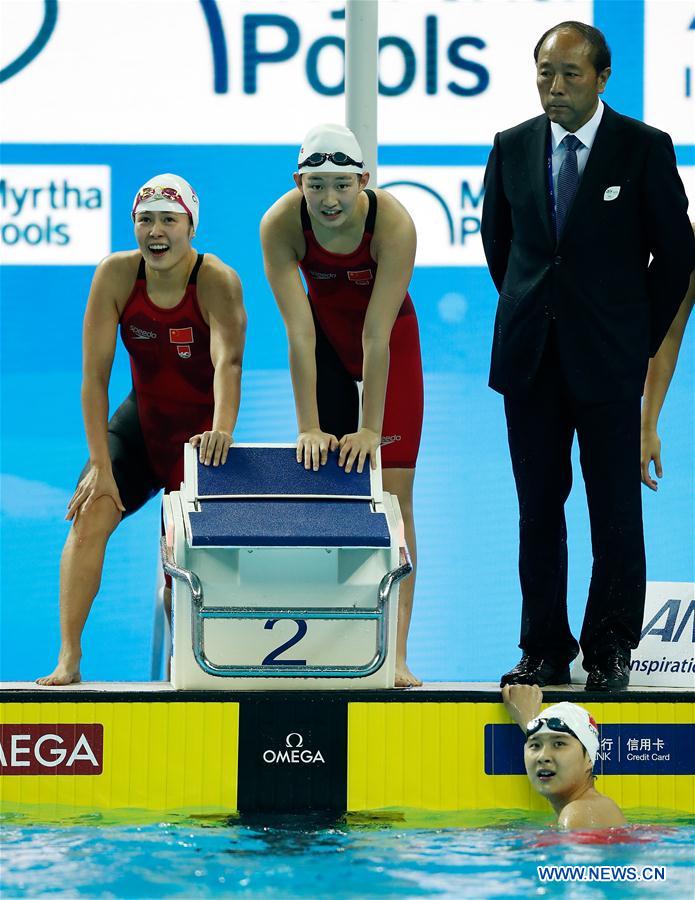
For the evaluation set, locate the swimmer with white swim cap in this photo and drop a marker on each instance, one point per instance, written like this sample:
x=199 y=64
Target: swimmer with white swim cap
x=168 y=193
x=356 y=250
x=182 y=321
x=560 y=751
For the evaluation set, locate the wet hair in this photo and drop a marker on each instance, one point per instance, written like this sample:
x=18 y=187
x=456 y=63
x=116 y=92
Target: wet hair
x=600 y=51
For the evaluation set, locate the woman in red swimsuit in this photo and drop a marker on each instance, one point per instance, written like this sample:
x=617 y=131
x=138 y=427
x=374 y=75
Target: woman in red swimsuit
x=182 y=321
x=356 y=249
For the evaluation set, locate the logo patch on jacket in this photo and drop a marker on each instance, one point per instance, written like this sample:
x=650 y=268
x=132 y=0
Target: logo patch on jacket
x=360 y=276
x=611 y=192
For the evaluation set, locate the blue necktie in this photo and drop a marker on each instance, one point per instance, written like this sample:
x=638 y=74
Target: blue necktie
x=567 y=181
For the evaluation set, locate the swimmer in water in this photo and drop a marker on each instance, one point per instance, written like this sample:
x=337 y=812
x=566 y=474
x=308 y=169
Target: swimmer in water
x=559 y=755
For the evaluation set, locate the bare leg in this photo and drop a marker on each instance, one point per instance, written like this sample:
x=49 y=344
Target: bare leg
x=400 y=483
x=166 y=602
x=80 y=577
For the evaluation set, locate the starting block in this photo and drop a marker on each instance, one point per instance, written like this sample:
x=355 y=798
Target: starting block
x=283 y=578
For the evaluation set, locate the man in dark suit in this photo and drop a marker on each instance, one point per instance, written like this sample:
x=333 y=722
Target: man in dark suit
x=576 y=200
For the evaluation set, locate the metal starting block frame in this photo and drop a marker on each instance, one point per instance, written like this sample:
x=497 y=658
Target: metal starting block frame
x=262 y=539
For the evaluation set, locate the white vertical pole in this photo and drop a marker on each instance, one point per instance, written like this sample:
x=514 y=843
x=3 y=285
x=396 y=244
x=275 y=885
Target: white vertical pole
x=361 y=76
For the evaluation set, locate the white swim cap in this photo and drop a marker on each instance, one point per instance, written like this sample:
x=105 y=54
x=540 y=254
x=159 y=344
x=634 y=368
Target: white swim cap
x=168 y=193
x=576 y=721
x=330 y=148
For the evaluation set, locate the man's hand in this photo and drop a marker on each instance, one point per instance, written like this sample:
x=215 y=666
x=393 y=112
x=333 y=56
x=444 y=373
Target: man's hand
x=214 y=446
x=523 y=702
x=357 y=447
x=98 y=482
x=650 y=449
x=313 y=447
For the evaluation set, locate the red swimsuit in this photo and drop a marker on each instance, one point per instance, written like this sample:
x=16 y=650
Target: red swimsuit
x=340 y=287
x=172 y=373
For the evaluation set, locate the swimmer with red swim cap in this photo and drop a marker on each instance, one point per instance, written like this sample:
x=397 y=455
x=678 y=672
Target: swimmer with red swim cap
x=182 y=321
x=356 y=250
x=560 y=751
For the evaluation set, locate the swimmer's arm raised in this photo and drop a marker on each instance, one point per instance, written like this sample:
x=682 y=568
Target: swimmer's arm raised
x=522 y=702
x=281 y=268
x=221 y=297
x=98 y=348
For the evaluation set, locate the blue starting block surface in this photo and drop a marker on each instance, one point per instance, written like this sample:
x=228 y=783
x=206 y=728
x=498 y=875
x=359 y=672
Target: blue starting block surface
x=288 y=523
x=274 y=471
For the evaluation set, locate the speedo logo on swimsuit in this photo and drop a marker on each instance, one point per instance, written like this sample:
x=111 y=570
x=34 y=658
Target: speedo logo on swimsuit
x=139 y=334
x=360 y=276
x=390 y=439
x=322 y=276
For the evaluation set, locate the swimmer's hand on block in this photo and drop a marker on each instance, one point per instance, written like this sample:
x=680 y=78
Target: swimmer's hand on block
x=313 y=447
x=214 y=446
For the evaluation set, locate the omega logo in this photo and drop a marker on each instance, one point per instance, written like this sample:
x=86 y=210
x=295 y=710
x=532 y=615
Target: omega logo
x=36 y=749
x=293 y=752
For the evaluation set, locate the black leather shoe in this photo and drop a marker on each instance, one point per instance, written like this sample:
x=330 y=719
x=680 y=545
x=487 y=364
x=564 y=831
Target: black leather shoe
x=536 y=670
x=610 y=673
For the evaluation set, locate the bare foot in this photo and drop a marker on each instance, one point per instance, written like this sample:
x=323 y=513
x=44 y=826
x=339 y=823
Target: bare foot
x=64 y=673
x=404 y=677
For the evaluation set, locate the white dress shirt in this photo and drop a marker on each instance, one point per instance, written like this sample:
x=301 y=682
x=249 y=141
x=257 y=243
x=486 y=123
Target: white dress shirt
x=586 y=134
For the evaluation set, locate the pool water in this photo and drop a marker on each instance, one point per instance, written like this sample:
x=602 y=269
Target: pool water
x=387 y=855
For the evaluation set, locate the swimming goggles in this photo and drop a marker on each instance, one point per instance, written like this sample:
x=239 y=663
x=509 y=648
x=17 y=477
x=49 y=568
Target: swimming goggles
x=160 y=193
x=339 y=158
x=553 y=724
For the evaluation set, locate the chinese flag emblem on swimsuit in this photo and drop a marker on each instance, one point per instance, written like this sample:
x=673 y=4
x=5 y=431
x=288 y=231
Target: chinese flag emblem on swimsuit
x=181 y=335
x=360 y=276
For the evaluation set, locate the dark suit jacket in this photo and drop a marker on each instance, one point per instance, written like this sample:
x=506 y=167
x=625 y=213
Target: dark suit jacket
x=610 y=304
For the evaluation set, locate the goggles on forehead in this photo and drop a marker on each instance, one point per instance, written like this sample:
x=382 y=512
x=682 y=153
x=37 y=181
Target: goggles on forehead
x=553 y=724
x=160 y=193
x=339 y=158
